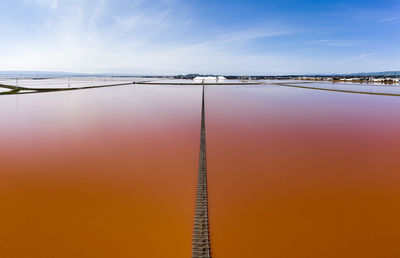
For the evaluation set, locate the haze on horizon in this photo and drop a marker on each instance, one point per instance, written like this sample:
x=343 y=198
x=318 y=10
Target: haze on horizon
x=178 y=37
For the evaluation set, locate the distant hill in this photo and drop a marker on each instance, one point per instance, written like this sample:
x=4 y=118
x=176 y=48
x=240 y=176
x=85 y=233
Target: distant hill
x=52 y=74
x=372 y=74
x=387 y=73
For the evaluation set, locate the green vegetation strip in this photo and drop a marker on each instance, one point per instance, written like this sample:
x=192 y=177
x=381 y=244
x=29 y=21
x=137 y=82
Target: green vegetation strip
x=345 y=91
x=11 y=87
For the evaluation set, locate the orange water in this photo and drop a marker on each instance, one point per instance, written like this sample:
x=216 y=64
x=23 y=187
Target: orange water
x=99 y=173
x=303 y=173
x=112 y=173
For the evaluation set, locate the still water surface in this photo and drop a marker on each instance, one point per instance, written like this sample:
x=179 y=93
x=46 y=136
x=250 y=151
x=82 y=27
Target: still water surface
x=303 y=173
x=112 y=172
x=99 y=173
x=357 y=87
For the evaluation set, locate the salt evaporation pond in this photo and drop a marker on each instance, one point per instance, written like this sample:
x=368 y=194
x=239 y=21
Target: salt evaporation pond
x=358 y=87
x=111 y=172
x=105 y=172
x=66 y=82
x=302 y=173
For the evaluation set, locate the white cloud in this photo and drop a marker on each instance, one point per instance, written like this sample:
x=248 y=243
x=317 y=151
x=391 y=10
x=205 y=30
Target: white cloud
x=389 y=19
x=143 y=40
x=332 y=43
x=128 y=23
x=48 y=3
x=239 y=36
x=362 y=56
x=88 y=36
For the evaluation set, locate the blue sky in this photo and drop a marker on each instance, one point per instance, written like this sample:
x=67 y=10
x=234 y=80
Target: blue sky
x=193 y=36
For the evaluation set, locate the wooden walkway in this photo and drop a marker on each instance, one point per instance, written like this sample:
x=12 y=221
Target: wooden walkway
x=201 y=240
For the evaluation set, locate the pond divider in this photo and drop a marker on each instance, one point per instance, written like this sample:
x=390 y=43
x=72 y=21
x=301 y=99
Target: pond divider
x=201 y=240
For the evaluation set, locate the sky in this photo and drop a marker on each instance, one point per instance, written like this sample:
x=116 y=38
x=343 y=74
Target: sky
x=229 y=37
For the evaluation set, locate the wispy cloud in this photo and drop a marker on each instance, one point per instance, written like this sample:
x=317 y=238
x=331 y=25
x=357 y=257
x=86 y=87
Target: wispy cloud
x=173 y=36
x=47 y=3
x=128 y=23
x=332 y=43
x=362 y=56
x=250 y=34
x=239 y=36
x=389 y=19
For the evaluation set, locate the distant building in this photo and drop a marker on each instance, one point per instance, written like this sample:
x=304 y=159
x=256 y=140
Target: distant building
x=209 y=79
